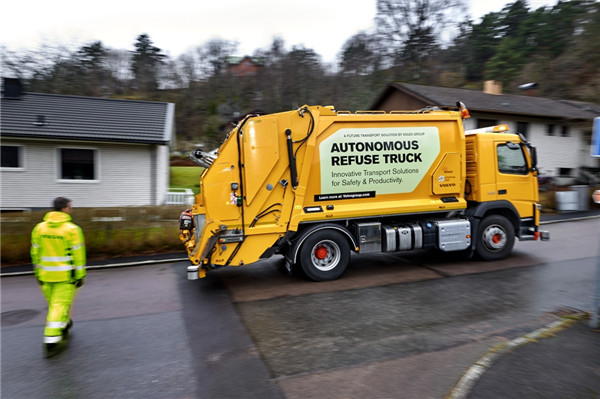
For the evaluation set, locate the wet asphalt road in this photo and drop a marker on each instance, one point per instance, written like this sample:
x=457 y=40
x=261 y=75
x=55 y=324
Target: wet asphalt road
x=394 y=326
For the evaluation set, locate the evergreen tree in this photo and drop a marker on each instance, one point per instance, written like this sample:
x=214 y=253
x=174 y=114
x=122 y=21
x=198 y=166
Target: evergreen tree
x=146 y=63
x=92 y=69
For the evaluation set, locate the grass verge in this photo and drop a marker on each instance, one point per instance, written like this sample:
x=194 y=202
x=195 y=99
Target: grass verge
x=185 y=177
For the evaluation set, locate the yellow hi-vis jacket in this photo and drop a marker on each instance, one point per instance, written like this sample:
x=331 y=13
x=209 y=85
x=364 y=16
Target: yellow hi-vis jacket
x=58 y=249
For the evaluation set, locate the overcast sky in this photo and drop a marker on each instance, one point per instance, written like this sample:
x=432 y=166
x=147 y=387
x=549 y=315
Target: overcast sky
x=179 y=25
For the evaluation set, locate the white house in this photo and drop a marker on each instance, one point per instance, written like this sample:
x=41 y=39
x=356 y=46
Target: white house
x=560 y=129
x=98 y=152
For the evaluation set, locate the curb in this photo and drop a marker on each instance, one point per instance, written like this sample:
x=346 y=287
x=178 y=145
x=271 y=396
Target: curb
x=468 y=380
x=138 y=263
x=575 y=219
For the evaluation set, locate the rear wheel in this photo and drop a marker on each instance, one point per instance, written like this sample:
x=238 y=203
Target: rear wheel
x=324 y=255
x=495 y=238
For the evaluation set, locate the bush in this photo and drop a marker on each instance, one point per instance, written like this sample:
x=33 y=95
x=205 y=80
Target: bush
x=109 y=232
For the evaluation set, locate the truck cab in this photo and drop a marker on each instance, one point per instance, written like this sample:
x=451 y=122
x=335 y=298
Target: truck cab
x=502 y=181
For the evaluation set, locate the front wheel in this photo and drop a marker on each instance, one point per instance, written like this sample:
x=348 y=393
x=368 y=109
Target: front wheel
x=495 y=238
x=324 y=255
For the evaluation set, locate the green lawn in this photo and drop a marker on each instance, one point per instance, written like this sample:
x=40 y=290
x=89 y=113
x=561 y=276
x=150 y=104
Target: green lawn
x=185 y=177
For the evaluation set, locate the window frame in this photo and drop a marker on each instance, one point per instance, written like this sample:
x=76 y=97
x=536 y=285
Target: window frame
x=59 y=162
x=20 y=159
x=562 y=172
x=525 y=166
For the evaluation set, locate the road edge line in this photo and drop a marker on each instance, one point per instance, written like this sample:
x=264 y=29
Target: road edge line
x=462 y=389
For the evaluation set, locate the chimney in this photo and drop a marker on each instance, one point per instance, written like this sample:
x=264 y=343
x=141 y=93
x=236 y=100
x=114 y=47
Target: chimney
x=11 y=88
x=492 y=87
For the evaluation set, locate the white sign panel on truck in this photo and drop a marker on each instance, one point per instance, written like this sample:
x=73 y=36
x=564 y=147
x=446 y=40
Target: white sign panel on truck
x=377 y=160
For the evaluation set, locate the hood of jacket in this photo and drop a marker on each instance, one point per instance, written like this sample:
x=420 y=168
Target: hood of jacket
x=56 y=218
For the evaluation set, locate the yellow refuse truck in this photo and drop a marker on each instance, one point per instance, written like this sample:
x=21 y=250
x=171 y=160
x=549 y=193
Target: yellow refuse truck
x=314 y=184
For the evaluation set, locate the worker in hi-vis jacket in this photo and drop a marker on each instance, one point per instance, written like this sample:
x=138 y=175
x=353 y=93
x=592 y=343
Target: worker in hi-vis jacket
x=58 y=257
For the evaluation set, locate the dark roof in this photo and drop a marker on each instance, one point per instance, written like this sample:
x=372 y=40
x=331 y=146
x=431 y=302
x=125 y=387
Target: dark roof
x=53 y=116
x=479 y=101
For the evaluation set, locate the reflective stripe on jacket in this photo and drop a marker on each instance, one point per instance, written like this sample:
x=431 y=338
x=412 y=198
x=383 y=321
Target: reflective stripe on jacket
x=58 y=249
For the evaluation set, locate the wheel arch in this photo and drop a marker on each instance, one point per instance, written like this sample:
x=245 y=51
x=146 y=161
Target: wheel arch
x=481 y=210
x=303 y=234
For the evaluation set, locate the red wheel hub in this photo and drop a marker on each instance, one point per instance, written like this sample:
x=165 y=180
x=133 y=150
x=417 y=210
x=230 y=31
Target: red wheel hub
x=497 y=238
x=321 y=252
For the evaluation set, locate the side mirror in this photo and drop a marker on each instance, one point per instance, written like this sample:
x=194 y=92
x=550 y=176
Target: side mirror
x=533 y=153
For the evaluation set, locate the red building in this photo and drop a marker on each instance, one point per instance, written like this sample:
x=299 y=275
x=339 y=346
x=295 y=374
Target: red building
x=244 y=66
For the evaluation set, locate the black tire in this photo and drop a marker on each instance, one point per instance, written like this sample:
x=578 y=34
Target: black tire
x=324 y=255
x=495 y=238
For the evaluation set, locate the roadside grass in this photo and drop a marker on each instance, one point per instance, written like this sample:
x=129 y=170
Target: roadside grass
x=185 y=177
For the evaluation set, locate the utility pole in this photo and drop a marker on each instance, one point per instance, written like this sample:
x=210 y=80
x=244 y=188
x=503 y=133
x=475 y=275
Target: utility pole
x=596 y=197
x=596 y=302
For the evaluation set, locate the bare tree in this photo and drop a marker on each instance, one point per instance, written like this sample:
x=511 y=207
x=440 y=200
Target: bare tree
x=119 y=64
x=215 y=54
x=20 y=65
x=412 y=29
x=360 y=55
x=272 y=79
x=188 y=68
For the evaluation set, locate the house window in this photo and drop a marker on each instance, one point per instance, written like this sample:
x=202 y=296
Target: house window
x=511 y=159
x=522 y=127
x=564 y=172
x=12 y=156
x=564 y=131
x=486 y=123
x=550 y=130
x=77 y=164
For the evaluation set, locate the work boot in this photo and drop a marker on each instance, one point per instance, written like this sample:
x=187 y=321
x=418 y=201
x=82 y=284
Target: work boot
x=53 y=349
x=67 y=329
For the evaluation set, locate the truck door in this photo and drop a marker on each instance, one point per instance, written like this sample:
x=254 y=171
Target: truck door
x=514 y=179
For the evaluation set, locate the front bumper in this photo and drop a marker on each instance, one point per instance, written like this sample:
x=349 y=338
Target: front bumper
x=531 y=232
